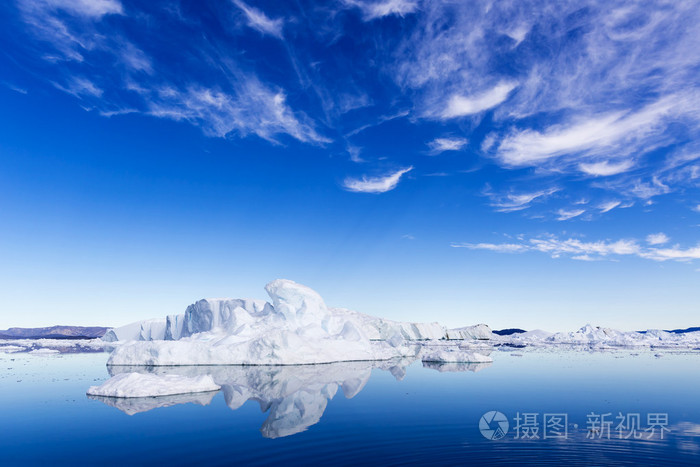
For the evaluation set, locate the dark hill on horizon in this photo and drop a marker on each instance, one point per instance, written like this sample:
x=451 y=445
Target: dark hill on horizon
x=54 y=332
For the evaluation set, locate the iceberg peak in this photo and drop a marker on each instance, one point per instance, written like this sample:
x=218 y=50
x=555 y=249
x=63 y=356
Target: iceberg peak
x=297 y=303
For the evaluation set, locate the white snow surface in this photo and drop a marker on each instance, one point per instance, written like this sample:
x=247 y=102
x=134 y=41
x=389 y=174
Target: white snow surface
x=479 y=332
x=296 y=328
x=452 y=355
x=602 y=337
x=148 y=385
x=44 y=351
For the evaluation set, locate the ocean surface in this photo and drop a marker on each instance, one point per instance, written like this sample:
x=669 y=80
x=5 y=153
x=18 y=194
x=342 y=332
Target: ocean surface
x=529 y=407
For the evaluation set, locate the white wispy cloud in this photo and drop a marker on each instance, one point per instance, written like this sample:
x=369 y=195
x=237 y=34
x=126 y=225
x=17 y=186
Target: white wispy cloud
x=460 y=105
x=509 y=202
x=80 y=87
x=657 y=238
x=232 y=102
x=593 y=250
x=606 y=168
x=676 y=253
x=497 y=247
x=621 y=87
x=50 y=20
x=566 y=214
x=355 y=152
x=439 y=145
x=379 y=8
x=379 y=121
x=380 y=184
x=253 y=108
x=135 y=59
x=258 y=20
x=613 y=134
x=87 y=8
x=15 y=88
x=609 y=205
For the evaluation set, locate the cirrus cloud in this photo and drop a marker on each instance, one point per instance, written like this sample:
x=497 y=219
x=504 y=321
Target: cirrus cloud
x=380 y=184
x=578 y=249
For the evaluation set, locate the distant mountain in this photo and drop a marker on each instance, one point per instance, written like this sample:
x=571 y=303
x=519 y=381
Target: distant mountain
x=676 y=331
x=683 y=331
x=509 y=331
x=54 y=332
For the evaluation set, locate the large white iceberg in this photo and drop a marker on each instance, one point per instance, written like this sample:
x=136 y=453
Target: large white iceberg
x=296 y=328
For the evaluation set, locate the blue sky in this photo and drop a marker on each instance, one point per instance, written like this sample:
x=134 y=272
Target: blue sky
x=513 y=163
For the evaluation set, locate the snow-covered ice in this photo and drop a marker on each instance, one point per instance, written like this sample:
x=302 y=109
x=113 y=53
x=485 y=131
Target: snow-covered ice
x=452 y=355
x=456 y=367
x=479 y=332
x=44 y=351
x=57 y=345
x=602 y=337
x=295 y=328
x=127 y=385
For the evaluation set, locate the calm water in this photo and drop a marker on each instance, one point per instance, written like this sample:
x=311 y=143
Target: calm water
x=358 y=413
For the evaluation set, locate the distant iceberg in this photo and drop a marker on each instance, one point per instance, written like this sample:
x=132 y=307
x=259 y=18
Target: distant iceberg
x=598 y=337
x=453 y=355
x=296 y=328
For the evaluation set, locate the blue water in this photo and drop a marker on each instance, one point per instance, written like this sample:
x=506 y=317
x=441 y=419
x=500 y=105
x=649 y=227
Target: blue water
x=394 y=415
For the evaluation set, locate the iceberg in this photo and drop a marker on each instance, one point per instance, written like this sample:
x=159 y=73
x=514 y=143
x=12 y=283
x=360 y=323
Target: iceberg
x=44 y=351
x=598 y=337
x=456 y=367
x=379 y=329
x=128 y=385
x=478 y=332
x=140 y=331
x=452 y=355
x=12 y=348
x=296 y=327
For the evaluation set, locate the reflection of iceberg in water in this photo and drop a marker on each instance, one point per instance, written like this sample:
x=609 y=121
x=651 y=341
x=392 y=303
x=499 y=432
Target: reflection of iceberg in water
x=295 y=396
x=455 y=367
x=134 y=405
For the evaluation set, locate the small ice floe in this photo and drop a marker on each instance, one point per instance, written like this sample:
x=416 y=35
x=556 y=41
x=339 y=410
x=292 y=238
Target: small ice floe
x=443 y=355
x=453 y=367
x=148 y=385
x=44 y=351
x=11 y=348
